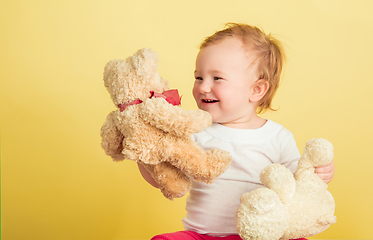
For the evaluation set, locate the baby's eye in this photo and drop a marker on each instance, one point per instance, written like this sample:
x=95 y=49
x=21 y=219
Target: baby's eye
x=217 y=78
x=199 y=78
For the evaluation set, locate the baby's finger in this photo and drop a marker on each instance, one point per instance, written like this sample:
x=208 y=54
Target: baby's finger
x=323 y=169
x=328 y=168
x=326 y=177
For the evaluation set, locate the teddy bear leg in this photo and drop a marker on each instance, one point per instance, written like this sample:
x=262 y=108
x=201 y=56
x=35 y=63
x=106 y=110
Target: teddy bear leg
x=261 y=215
x=172 y=182
x=203 y=166
x=216 y=162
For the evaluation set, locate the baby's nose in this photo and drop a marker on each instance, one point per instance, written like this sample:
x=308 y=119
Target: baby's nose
x=205 y=87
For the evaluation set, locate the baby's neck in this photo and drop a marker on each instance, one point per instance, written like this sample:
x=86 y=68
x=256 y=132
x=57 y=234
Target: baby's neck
x=253 y=123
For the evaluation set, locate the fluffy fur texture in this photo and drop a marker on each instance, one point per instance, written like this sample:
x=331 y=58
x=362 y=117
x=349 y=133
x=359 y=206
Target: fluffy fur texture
x=154 y=132
x=290 y=207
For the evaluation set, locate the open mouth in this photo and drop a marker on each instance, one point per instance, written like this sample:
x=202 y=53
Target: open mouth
x=209 y=101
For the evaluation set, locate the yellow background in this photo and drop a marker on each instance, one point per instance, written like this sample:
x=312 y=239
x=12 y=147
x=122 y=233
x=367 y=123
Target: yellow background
x=57 y=183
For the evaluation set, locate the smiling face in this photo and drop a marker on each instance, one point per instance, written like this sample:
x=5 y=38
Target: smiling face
x=225 y=83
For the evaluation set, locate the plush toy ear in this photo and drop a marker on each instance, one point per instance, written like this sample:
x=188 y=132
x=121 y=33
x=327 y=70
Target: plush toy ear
x=108 y=68
x=145 y=62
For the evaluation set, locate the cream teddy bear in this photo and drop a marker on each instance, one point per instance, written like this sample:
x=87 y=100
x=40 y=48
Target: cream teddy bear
x=149 y=128
x=290 y=207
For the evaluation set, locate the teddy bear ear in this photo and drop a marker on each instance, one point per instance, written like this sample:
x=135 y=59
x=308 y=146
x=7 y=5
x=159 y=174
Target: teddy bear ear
x=107 y=70
x=145 y=62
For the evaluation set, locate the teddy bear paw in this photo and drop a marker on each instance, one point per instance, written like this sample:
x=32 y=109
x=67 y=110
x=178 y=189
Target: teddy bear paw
x=216 y=162
x=326 y=219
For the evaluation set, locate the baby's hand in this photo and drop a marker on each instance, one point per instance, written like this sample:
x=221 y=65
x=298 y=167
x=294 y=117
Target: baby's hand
x=326 y=172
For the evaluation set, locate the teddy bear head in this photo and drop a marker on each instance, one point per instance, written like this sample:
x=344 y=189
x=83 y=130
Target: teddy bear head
x=133 y=78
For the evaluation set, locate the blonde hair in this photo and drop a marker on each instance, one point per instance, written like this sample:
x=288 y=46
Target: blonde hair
x=269 y=52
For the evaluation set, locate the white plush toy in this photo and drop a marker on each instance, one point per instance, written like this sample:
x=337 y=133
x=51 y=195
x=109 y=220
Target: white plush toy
x=290 y=207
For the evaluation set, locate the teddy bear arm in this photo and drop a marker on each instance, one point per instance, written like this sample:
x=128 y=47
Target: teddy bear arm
x=173 y=119
x=279 y=179
x=327 y=219
x=187 y=122
x=112 y=138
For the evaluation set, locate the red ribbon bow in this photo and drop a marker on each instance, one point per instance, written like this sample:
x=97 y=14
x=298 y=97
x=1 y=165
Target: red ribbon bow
x=172 y=96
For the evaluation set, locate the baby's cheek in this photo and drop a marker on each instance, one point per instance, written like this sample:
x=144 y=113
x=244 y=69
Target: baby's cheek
x=195 y=95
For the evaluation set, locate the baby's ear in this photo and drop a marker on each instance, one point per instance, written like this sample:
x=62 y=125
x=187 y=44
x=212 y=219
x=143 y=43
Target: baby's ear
x=259 y=90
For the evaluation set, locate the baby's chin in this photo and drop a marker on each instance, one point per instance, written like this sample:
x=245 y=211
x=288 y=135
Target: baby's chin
x=216 y=119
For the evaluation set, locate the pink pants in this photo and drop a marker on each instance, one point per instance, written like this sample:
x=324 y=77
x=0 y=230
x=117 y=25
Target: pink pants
x=190 y=235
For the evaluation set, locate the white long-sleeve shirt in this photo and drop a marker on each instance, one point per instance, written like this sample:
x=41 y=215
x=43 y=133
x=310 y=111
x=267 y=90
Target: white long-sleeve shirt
x=211 y=208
